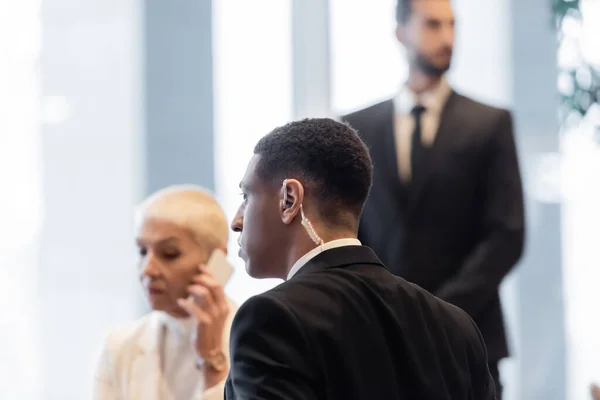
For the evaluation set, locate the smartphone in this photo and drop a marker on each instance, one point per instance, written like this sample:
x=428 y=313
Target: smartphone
x=219 y=267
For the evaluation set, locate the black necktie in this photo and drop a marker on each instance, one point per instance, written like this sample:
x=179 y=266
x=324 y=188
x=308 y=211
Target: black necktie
x=418 y=151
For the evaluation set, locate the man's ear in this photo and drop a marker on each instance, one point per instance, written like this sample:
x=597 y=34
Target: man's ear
x=292 y=196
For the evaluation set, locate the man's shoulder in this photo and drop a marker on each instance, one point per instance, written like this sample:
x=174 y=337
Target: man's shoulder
x=264 y=311
x=421 y=297
x=479 y=108
x=315 y=290
x=336 y=293
x=407 y=296
x=368 y=114
x=262 y=301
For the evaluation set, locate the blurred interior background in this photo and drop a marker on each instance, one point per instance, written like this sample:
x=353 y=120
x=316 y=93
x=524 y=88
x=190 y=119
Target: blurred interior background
x=105 y=101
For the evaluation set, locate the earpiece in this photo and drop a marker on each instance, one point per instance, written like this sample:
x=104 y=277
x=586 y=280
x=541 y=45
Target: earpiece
x=285 y=203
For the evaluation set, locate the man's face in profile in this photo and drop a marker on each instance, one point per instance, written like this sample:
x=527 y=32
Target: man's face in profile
x=258 y=220
x=427 y=33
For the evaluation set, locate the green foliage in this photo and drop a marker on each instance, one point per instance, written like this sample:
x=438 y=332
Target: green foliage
x=582 y=81
x=564 y=7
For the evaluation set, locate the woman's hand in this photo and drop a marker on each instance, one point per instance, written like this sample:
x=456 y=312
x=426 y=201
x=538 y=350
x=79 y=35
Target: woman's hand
x=208 y=305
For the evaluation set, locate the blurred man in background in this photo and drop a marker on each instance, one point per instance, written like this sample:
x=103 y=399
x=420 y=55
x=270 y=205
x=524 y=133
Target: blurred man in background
x=446 y=208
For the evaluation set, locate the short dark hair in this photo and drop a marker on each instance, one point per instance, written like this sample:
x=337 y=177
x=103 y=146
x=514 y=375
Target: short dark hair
x=403 y=10
x=328 y=157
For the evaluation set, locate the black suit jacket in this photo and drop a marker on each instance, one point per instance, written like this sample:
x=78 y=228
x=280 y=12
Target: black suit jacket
x=458 y=229
x=345 y=328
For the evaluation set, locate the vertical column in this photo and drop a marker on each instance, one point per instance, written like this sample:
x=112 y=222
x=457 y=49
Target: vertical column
x=541 y=334
x=178 y=146
x=178 y=97
x=311 y=58
x=482 y=69
x=506 y=56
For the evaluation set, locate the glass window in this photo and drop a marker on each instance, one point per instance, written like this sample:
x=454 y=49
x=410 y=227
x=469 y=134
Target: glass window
x=253 y=95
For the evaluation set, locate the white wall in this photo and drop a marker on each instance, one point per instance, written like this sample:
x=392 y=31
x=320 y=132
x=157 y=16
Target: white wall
x=20 y=199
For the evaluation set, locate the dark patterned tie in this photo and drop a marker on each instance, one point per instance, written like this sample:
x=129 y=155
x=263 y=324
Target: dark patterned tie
x=418 y=151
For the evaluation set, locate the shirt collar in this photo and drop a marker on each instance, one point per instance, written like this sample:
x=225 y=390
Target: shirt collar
x=177 y=326
x=319 y=249
x=432 y=99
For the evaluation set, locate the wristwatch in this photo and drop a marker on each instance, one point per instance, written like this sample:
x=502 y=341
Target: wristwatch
x=216 y=360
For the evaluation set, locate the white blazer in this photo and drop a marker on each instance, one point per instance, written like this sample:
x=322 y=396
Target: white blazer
x=129 y=364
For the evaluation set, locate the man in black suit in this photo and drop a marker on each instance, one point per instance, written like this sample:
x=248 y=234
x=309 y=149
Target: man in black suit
x=446 y=208
x=341 y=326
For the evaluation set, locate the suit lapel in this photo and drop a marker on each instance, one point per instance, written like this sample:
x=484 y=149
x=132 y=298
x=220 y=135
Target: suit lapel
x=389 y=152
x=447 y=125
x=228 y=389
x=146 y=377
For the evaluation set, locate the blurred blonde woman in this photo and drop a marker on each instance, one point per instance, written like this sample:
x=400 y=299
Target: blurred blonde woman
x=179 y=351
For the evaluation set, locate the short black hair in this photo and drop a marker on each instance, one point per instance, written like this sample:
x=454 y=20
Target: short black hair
x=328 y=157
x=403 y=10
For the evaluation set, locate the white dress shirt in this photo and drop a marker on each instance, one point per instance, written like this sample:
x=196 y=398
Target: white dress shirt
x=180 y=378
x=404 y=123
x=319 y=249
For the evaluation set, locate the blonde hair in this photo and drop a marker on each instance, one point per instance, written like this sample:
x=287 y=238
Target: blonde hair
x=193 y=208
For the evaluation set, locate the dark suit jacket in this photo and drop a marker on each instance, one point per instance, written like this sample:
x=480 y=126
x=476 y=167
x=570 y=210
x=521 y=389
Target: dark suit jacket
x=345 y=328
x=458 y=229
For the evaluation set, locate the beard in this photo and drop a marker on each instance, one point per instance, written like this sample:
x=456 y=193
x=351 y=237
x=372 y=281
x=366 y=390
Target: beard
x=429 y=68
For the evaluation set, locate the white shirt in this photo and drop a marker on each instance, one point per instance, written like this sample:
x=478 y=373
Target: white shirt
x=153 y=358
x=404 y=123
x=318 y=250
x=180 y=378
